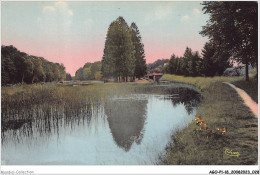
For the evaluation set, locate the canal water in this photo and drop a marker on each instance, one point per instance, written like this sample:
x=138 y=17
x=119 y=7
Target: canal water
x=125 y=130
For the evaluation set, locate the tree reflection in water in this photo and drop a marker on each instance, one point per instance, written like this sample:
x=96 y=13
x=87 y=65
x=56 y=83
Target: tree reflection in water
x=130 y=129
x=126 y=118
x=190 y=98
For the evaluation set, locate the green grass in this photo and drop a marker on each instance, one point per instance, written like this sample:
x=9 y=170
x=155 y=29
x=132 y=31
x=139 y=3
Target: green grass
x=200 y=82
x=250 y=87
x=220 y=107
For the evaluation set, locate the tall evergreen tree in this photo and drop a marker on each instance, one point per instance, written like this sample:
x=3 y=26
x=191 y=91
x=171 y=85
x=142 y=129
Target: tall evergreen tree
x=172 y=66
x=118 y=58
x=207 y=66
x=187 y=56
x=68 y=77
x=140 y=62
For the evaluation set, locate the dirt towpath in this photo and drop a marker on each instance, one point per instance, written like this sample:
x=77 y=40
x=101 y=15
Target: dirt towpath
x=247 y=99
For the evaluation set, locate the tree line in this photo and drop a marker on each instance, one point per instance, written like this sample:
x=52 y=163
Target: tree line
x=124 y=52
x=90 y=71
x=192 y=64
x=19 y=67
x=232 y=29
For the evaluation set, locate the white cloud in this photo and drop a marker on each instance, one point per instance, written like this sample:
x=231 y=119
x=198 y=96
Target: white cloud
x=56 y=18
x=196 y=11
x=161 y=13
x=61 y=3
x=61 y=7
x=47 y=9
x=70 y=12
x=185 y=18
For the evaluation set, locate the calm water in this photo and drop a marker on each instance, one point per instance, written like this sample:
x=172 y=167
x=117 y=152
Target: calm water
x=128 y=130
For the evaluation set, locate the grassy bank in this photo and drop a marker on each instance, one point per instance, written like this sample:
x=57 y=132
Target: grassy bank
x=250 y=87
x=200 y=144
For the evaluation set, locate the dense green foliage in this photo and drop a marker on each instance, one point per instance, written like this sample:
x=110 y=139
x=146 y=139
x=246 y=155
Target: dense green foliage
x=19 y=67
x=123 y=53
x=140 y=66
x=233 y=30
x=192 y=64
x=90 y=71
x=68 y=77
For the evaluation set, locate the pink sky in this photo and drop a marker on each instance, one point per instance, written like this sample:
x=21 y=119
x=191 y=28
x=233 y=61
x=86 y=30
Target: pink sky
x=74 y=59
x=74 y=33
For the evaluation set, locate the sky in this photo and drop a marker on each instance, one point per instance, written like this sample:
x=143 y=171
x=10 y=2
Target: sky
x=74 y=33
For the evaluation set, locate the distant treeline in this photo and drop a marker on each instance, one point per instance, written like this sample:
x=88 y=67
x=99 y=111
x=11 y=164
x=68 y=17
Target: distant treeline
x=19 y=67
x=90 y=71
x=192 y=64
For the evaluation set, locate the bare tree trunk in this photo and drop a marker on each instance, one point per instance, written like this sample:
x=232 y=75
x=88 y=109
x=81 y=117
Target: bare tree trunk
x=32 y=79
x=22 y=78
x=247 y=77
